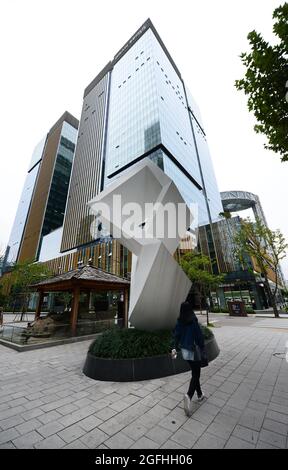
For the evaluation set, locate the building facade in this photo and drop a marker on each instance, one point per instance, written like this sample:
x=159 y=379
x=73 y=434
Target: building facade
x=242 y=282
x=43 y=199
x=138 y=107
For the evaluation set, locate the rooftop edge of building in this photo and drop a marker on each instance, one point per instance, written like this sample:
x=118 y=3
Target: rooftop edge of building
x=109 y=67
x=67 y=117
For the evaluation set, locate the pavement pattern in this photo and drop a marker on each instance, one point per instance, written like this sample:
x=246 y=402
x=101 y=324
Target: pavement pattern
x=47 y=402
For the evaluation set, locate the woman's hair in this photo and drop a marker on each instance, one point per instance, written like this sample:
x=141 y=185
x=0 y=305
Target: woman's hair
x=189 y=298
x=187 y=314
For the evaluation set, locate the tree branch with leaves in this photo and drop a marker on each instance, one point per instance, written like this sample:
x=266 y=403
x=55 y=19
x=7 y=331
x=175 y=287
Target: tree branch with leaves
x=266 y=248
x=265 y=83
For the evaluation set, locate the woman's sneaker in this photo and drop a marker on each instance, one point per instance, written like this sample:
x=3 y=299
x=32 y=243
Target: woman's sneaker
x=187 y=405
x=201 y=398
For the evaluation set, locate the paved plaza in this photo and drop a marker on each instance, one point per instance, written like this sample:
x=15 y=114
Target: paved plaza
x=47 y=402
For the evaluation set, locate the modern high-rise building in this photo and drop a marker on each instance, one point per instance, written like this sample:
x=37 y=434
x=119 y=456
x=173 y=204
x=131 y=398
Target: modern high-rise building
x=43 y=199
x=242 y=282
x=138 y=106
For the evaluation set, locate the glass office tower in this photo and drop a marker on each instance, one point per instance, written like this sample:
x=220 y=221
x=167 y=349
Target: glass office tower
x=24 y=204
x=139 y=107
x=43 y=199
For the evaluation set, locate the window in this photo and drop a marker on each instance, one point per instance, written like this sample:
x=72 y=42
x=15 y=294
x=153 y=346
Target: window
x=137 y=70
x=129 y=77
x=142 y=64
x=137 y=57
x=158 y=62
x=124 y=82
x=117 y=146
x=119 y=86
x=148 y=59
x=142 y=52
x=162 y=98
x=177 y=132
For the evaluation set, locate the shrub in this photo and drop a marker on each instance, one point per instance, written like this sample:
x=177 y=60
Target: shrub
x=219 y=310
x=132 y=343
x=249 y=309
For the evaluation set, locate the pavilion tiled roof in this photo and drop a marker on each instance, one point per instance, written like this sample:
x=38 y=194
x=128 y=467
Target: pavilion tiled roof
x=85 y=273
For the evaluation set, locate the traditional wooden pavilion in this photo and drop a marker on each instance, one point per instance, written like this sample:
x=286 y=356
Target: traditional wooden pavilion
x=86 y=278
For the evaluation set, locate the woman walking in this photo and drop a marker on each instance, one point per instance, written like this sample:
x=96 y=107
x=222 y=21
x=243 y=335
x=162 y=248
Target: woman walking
x=189 y=337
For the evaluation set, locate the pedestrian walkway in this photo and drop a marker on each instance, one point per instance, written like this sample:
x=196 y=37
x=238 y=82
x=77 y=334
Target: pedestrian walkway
x=47 y=402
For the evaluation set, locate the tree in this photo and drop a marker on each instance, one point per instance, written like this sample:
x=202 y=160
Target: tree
x=197 y=267
x=23 y=275
x=266 y=247
x=265 y=83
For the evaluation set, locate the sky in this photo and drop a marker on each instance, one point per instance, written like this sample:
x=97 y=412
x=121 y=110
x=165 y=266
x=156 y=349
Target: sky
x=51 y=50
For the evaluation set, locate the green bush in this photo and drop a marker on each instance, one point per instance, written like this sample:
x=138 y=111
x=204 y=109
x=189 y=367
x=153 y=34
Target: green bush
x=219 y=310
x=133 y=343
x=249 y=309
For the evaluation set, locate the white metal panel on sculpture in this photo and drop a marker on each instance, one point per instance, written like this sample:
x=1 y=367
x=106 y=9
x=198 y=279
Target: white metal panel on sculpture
x=160 y=217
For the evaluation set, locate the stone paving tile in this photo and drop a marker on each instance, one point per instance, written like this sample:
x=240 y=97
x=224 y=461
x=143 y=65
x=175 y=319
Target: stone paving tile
x=236 y=443
x=278 y=417
x=265 y=445
x=209 y=441
x=173 y=421
x=8 y=435
x=273 y=438
x=28 y=426
x=11 y=422
x=184 y=438
x=90 y=423
x=48 y=429
x=159 y=434
x=52 y=442
x=71 y=433
x=27 y=441
x=67 y=409
x=135 y=430
x=77 y=444
x=278 y=408
x=274 y=426
x=105 y=413
x=7 y=445
x=249 y=435
x=247 y=390
x=144 y=443
x=171 y=445
x=119 y=441
x=50 y=416
x=220 y=429
x=94 y=438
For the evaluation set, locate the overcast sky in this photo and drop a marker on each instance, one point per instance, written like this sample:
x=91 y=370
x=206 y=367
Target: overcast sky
x=51 y=50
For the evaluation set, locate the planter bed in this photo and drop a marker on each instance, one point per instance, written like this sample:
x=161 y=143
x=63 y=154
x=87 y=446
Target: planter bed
x=127 y=370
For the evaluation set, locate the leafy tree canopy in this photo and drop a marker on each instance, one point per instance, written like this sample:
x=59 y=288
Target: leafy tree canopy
x=265 y=82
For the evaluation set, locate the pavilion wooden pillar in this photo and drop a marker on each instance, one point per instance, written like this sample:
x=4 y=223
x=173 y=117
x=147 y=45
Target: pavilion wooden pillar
x=39 y=305
x=74 y=311
x=126 y=305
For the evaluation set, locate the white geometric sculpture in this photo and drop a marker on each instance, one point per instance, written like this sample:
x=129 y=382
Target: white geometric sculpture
x=144 y=210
